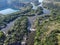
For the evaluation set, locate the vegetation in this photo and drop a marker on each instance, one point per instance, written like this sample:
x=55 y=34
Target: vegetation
x=47 y=30
x=51 y=4
x=2 y=38
x=39 y=11
x=26 y=11
x=16 y=34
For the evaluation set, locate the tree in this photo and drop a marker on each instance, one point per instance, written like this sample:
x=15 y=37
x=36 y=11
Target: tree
x=2 y=38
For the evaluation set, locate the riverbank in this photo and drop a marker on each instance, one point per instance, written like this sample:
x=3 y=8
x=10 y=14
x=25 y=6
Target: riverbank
x=31 y=19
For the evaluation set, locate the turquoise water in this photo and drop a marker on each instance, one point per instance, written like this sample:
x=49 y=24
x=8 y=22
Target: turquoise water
x=7 y=11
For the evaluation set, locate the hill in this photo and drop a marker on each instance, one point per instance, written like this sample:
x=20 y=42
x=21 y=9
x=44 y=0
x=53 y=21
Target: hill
x=48 y=30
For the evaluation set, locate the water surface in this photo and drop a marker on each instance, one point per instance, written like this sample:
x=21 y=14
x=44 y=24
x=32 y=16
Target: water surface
x=7 y=11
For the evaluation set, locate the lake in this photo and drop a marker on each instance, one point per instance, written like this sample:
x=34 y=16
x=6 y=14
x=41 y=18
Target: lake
x=11 y=6
x=7 y=7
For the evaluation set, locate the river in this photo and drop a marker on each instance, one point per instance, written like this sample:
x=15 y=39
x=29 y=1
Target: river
x=8 y=27
x=31 y=19
x=46 y=11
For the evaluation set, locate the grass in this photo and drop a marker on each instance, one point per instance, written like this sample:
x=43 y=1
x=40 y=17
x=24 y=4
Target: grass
x=58 y=37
